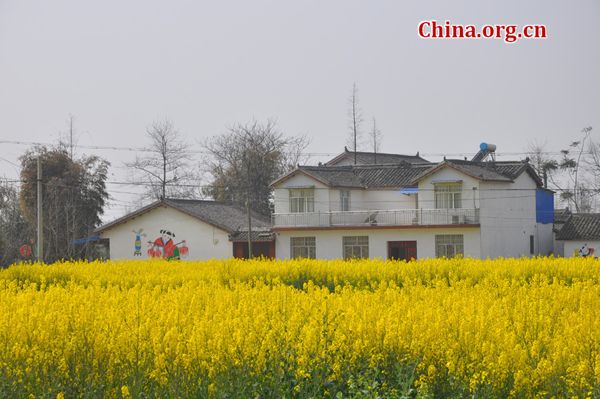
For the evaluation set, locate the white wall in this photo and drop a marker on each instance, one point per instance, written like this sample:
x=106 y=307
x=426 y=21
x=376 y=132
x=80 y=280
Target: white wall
x=203 y=240
x=571 y=246
x=329 y=242
x=387 y=200
x=545 y=239
x=508 y=218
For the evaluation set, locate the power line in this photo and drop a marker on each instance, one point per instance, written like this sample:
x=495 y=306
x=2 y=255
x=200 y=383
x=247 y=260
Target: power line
x=142 y=149
x=131 y=149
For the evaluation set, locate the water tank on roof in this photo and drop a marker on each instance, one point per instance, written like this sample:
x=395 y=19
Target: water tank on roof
x=485 y=149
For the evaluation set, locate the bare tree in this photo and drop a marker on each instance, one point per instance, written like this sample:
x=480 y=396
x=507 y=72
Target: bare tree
x=354 y=121
x=165 y=163
x=67 y=140
x=543 y=163
x=246 y=159
x=376 y=137
x=579 y=192
x=575 y=175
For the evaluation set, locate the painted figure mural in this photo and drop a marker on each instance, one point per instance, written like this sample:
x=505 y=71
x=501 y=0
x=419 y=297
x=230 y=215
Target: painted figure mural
x=165 y=247
x=138 y=242
x=586 y=251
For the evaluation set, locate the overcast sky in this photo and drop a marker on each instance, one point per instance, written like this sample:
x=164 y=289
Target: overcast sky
x=116 y=66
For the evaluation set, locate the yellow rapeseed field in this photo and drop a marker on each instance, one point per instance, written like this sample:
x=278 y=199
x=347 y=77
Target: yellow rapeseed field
x=301 y=328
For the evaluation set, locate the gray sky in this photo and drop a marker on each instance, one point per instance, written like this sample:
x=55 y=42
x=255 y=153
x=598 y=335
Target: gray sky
x=118 y=65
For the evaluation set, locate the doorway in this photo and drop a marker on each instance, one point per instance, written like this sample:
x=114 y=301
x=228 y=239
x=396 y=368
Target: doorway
x=259 y=248
x=402 y=250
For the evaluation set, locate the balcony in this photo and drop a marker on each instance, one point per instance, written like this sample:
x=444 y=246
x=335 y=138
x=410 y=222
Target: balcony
x=400 y=217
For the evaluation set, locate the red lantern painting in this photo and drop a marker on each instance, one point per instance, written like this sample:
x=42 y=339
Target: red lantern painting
x=25 y=251
x=165 y=247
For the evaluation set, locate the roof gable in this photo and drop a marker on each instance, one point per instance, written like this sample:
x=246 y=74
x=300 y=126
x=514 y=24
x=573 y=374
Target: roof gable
x=224 y=216
x=300 y=170
x=485 y=171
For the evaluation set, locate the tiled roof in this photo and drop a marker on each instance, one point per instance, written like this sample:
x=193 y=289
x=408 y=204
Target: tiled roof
x=369 y=158
x=227 y=217
x=391 y=176
x=406 y=174
x=337 y=176
x=487 y=171
x=261 y=235
x=562 y=215
x=366 y=176
x=480 y=170
x=581 y=226
x=230 y=217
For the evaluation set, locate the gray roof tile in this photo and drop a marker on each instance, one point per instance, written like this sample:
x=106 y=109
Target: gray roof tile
x=581 y=226
x=260 y=235
x=230 y=217
x=408 y=174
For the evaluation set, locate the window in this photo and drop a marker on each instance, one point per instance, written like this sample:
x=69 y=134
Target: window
x=449 y=245
x=355 y=247
x=344 y=200
x=531 y=245
x=448 y=195
x=302 y=200
x=303 y=247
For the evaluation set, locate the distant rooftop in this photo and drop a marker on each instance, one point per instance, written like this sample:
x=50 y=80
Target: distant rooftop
x=371 y=158
x=580 y=226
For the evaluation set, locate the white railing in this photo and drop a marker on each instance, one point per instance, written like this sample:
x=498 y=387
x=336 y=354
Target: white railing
x=400 y=217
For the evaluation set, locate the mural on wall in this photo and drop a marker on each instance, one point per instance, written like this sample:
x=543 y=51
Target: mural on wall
x=138 y=242
x=585 y=251
x=165 y=247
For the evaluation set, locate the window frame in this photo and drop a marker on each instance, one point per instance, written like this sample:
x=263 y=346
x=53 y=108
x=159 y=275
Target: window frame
x=443 y=242
x=345 y=200
x=358 y=247
x=307 y=246
x=447 y=195
x=301 y=200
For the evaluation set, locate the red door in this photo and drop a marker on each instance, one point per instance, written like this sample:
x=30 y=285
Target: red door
x=402 y=250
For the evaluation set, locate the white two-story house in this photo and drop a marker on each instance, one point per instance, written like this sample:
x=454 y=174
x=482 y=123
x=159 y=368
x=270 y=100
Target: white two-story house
x=412 y=209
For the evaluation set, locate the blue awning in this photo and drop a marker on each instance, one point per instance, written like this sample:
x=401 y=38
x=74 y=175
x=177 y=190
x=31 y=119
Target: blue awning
x=409 y=190
x=81 y=241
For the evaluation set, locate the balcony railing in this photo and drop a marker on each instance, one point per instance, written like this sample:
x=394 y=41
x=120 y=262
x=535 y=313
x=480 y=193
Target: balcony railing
x=400 y=217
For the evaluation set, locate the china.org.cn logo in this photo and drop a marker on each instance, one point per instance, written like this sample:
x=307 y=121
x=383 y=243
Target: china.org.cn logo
x=431 y=29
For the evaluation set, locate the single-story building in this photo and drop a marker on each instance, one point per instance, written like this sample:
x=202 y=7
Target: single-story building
x=579 y=235
x=187 y=229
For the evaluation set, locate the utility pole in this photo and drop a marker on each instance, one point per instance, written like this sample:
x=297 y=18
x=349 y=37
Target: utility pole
x=40 y=223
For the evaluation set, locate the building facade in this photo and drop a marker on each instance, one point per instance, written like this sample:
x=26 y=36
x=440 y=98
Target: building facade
x=413 y=210
x=578 y=234
x=186 y=229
